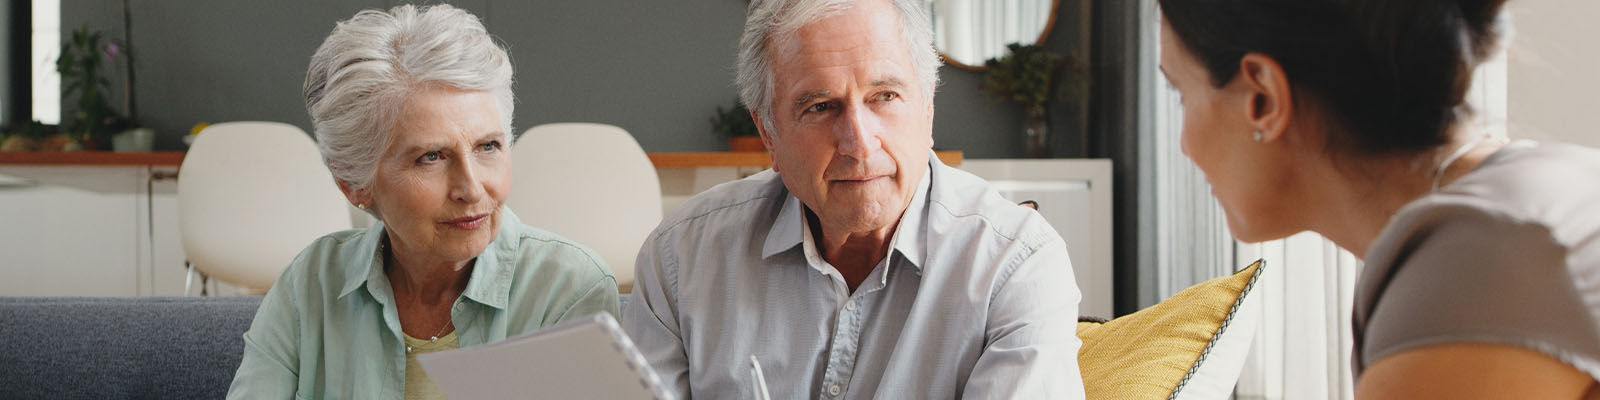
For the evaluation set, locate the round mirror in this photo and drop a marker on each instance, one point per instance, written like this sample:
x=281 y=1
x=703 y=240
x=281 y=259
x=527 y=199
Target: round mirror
x=969 y=32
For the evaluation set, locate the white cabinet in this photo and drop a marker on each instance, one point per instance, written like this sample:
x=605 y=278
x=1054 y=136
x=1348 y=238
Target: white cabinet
x=680 y=184
x=88 y=231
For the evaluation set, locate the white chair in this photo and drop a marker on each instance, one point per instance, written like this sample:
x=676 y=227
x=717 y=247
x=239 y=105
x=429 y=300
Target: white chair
x=251 y=195
x=591 y=183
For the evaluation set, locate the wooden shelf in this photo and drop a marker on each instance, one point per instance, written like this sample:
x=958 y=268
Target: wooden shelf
x=175 y=158
x=711 y=159
x=93 y=158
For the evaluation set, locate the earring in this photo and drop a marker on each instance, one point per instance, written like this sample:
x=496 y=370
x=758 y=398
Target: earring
x=1256 y=136
x=362 y=206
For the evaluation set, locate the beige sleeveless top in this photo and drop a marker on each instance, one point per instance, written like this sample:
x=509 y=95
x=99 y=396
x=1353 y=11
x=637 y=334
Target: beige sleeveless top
x=418 y=386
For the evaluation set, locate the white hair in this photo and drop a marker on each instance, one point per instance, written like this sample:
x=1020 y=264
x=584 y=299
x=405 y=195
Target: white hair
x=361 y=75
x=774 y=21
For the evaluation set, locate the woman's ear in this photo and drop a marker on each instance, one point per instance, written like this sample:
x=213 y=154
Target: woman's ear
x=1270 y=106
x=357 y=197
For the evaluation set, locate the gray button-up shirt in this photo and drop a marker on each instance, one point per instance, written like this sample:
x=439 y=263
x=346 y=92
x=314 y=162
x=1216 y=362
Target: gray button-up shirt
x=976 y=299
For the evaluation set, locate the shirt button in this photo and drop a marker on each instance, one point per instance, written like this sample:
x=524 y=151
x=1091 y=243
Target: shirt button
x=850 y=305
x=833 y=390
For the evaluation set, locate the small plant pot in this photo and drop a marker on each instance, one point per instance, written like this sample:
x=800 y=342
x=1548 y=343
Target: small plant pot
x=746 y=143
x=133 y=140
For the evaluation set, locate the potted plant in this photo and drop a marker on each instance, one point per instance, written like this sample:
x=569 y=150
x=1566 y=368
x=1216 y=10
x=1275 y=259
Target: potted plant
x=1029 y=75
x=93 y=121
x=736 y=125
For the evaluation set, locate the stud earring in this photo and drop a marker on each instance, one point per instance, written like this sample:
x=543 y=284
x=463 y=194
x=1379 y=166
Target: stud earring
x=362 y=206
x=1256 y=136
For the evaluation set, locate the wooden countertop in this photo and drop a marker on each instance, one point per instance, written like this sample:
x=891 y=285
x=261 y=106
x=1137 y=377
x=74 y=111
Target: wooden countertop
x=92 y=158
x=175 y=158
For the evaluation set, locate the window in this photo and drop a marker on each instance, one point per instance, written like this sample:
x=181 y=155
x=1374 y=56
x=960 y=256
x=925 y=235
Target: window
x=46 y=47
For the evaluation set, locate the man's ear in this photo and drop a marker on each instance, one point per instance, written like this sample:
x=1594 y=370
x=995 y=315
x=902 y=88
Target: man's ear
x=766 y=138
x=1270 y=103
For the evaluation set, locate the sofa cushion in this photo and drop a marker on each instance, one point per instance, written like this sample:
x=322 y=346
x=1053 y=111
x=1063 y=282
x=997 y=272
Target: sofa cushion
x=123 y=347
x=1190 y=346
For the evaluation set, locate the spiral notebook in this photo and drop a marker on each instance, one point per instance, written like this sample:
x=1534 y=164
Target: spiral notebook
x=589 y=358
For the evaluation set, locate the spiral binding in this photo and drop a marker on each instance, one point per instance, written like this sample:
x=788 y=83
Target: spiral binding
x=636 y=362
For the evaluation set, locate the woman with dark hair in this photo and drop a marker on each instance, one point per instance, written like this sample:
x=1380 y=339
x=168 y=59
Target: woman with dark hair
x=1347 y=118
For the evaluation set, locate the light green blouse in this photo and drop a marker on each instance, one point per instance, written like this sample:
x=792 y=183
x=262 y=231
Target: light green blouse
x=328 y=329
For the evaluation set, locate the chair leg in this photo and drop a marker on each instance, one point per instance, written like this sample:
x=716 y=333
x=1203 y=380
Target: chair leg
x=188 y=280
x=188 y=277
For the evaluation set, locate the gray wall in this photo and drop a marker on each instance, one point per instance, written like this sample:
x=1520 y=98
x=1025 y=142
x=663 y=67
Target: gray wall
x=5 y=63
x=655 y=68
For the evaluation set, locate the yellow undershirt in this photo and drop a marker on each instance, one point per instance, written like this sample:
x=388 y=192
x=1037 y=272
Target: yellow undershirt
x=418 y=386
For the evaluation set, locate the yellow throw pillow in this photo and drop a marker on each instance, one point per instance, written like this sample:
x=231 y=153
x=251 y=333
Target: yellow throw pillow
x=1155 y=352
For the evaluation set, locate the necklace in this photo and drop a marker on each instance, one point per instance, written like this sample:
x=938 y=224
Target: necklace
x=434 y=338
x=1438 y=171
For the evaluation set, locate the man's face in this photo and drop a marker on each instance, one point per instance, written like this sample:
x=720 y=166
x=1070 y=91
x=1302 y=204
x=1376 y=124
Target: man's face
x=852 y=127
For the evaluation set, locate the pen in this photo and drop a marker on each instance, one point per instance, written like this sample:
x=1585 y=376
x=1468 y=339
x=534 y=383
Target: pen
x=760 y=387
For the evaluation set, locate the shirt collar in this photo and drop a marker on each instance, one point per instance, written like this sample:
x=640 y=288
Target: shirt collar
x=789 y=230
x=491 y=279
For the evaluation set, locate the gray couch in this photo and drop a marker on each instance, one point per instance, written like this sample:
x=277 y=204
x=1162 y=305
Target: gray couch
x=121 y=347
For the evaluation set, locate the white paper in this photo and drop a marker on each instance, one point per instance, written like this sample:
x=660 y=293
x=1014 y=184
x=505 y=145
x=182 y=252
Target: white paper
x=585 y=359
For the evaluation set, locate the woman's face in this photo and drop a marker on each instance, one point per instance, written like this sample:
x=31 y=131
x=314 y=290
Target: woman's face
x=440 y=183
x=1247 y=177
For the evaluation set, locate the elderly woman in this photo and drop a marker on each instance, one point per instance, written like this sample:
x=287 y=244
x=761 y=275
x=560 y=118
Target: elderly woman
x=1346 y=117
x=412 y=112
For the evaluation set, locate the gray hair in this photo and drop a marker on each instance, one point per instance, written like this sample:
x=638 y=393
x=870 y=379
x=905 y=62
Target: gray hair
x=361 y=75
x=773 y=21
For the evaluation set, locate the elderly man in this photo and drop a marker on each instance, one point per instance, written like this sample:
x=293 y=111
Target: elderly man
x=859 y=266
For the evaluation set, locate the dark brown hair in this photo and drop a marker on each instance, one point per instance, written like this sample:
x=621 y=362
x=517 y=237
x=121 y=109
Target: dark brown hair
x=1392 y=74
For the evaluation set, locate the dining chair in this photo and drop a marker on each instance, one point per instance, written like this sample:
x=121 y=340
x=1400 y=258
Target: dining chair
x=251 y=195
x=591 y=183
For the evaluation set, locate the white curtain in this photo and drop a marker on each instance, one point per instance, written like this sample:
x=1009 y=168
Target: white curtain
x=1302 y=346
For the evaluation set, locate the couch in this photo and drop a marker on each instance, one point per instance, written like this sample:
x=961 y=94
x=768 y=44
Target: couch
x=121 y=347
